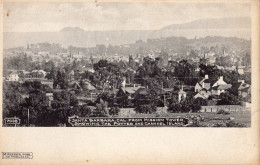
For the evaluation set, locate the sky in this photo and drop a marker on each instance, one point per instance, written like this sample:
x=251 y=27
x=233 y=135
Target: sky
x=91 y=16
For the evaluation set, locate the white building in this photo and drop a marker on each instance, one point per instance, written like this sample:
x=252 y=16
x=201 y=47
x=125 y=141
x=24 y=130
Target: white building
x=207 y=87
x=240 y=70
x=12 y=77
x=219 y=82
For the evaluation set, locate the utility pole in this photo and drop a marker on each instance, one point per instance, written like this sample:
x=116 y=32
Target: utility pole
x=28 y=116
x=164 y=101
x=15 y=122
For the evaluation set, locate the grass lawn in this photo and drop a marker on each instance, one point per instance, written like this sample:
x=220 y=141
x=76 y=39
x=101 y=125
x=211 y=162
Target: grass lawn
x=210 y=118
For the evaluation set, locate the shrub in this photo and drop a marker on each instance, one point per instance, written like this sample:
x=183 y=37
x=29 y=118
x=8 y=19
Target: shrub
x=220 y=125
x=145 y=108
x=221 y=111
x=235 y=124
x=114 y=110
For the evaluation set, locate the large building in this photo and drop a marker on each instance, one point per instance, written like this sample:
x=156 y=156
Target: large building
x=210 y=86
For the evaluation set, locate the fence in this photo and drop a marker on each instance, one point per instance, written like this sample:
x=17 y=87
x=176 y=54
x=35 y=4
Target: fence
x=230 y=108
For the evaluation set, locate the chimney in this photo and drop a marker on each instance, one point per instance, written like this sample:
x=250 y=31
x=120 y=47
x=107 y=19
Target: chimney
x=134 y=85
x=221 y=77
x=206 y=76
x=242 y=81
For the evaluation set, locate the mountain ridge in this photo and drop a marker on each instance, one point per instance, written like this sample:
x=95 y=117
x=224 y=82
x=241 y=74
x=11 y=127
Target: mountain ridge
x=213 y=23
x=79 y=37
x=72 y=29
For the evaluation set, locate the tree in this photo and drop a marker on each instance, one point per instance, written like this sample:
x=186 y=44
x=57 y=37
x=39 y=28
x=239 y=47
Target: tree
x=147 y=108
x=229 y=99
x=85 y=111
x=197 y=103
x=49 y=66
x=60 y=80
x=145 y=101
x=186 y=105
x=246 y=59
x=101 y=109
x=81 y=111
x=186 y=72
x=114 y=110
x=52 y=75
x=100 y=64
x=207 y=70
x=174 y=106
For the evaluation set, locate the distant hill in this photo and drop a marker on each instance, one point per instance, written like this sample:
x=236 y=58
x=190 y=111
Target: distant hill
x=76 y=36
x=214 y=23
x=72 y=29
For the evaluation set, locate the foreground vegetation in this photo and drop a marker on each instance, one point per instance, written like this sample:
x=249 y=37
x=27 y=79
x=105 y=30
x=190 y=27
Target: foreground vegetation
x=234 y=119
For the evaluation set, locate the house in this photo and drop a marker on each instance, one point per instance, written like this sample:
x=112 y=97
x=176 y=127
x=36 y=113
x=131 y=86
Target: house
x=219 y=82
x=13 y=76
x=82 y=100
x=123 y=82
x=199 y=95
x=24 y=73
x=212 y=59
x=231 y=68
x=240 y=70
x=210 y=86
x=142 y=96
x=220 y=86
x=217 y=90
x=247 y=69
x=48 y=83
x=78 y=56
x=87 y=86
x=197 y=70
x=167 y=90
x=125 y=112
x=220 y=67
x=198 y=87
x=22 y=97
x=83 y=86
x=71 y=75
x=126 y=93
x=204 y=61
x=240 y=86
x=36 y=57
x=203 y=94
x=38 y=73
x=63 y=54
x=177 y=94
x=91 y=70
x=204 y=83
x=49 y=98
x=181 y=95
x=44 y=54
x=76 y=86
x=245 y=91
x=247 y=105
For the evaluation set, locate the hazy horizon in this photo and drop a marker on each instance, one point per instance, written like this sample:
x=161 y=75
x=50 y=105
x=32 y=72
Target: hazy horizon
x=119 y=23
x=101 y=16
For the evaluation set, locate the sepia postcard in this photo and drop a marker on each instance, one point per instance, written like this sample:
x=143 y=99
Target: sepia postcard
x=129 y=82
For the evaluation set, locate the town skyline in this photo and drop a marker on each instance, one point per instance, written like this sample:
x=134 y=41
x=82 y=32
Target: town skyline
x=107 y=64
